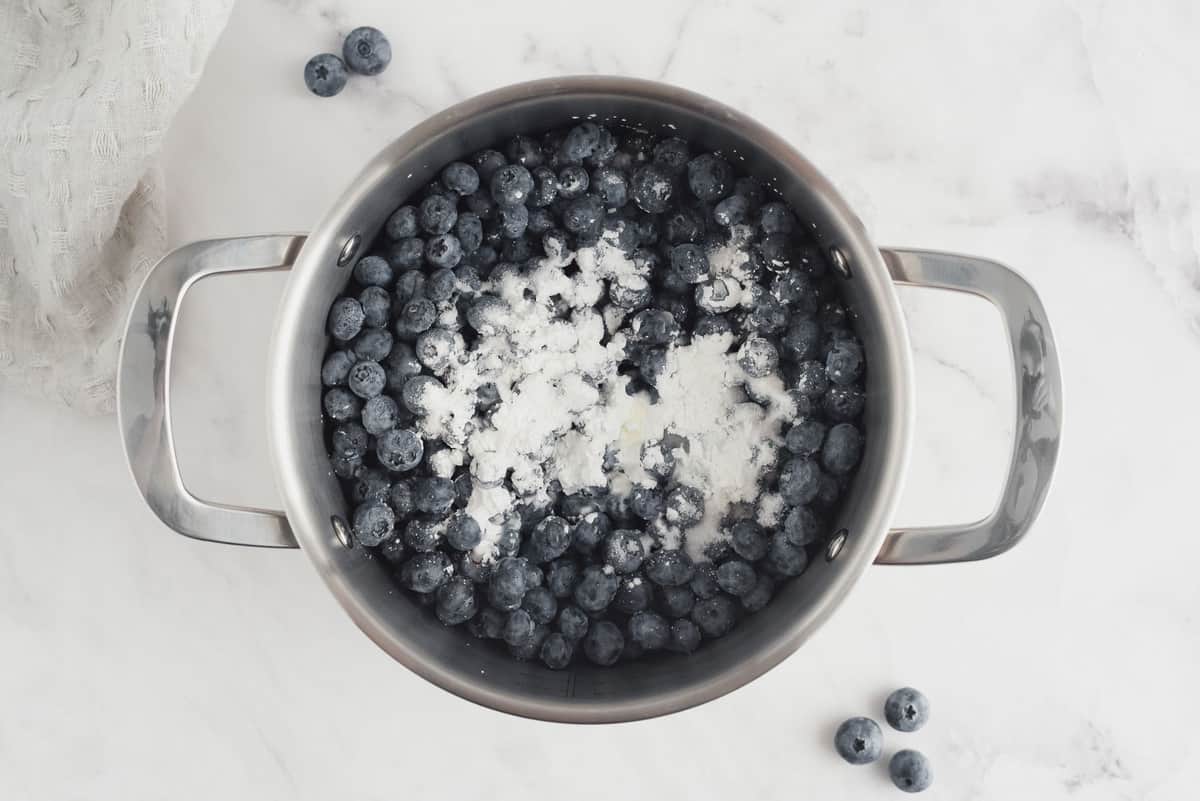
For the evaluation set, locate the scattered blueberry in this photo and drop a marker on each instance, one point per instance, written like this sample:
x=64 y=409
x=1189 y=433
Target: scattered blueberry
x=325 y=75
x=906 y=709
x=859 y=741
x=910 y=771
x=367 y=51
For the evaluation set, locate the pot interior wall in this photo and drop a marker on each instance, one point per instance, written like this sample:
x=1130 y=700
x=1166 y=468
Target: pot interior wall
x=481 y=671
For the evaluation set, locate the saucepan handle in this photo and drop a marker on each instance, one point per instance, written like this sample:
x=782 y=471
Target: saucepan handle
x=144 y=389
x=1039 y=409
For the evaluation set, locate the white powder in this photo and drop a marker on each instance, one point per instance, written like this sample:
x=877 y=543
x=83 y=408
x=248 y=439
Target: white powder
x=563 y=404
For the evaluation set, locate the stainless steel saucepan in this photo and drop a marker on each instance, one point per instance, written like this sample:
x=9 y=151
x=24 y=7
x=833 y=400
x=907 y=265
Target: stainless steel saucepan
x=315 y=513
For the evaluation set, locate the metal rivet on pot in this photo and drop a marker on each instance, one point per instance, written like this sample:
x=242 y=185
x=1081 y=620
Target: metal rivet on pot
x=341 y=530
x=348 y=250
x=835 y=545
x=839 y=262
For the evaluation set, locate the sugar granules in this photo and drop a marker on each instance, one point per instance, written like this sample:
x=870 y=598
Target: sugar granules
x=563 y=405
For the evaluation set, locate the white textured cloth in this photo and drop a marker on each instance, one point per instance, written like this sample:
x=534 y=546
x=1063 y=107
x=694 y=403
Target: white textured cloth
x=87 y=91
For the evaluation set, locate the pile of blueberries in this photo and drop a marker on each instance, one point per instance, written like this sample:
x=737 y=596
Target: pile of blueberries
x=860 y=740
x=572 y=574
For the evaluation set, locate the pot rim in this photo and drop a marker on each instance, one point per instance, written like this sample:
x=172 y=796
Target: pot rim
x=312 y=529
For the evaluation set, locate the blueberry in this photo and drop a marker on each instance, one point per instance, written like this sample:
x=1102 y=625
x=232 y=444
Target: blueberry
x=646 y=502
x=373 y=344
x=433 y=495
x=415 y=316
x=805 y=437
x=859 y=741
x=630 y=292
x=733 y=210
x=573 y=181
x=704 y=581
x=511 y=185
x=377 y=307
x=844 y=364
x=610 y=186
x=685 y=506
x=325 y=75
x=477 y=571
x=561 y=577
x=392 y=549
x=336 y=367
x=484 y=257
x=827 y=495
x=400 y=365
x=843 y=403
x=670 y=568
x=800 y=527
x=672 y=155
x=550 y=539
x=401 y=498
x=460 y=178
x=784 y=558
x=736 y=577
x=521 y=249
x=373 y=271
x=399 y=449
x=796 y=290
x=676 y=601
x=541 y=605
x=589 y=531
x=367 y=51
x=508 y=584
x=603 y=643
x=758 y=357
x=346 y=318
x=524 y=150
x=373 y=522
x=760 y=595
x=573 y=623
x=775 y=251
x=685 y=636
x=776 y=218
x=402 y=224
x=379 y=414
x=545 y=188
x=344 y=466
x=709 y=177
x=584 y=215
x=444 y=251
x=650 y=630
x=596 y=589
x=468 y=233
x=422 y=536
x=437 y=214
x=748 y=540
x=581 y=142
x=842 y=450
x=486 y=162
x=689 y=262
x=634 y=595
x=513 y=221
x=518 y=629
x=657 y=459
x=456 y=601
x=683 y=225
x=488 y=624
x=906 y=709
x=371 y=484
x=910 y=771
x=715 y=616
x=799 y=481
x=802 y=341
x=651 y=188
x=425 y=572
x=810 y=380
x=711 y=325
x=341 y=404
x=367 y=379
x=406 y=254
x=557 y=651
x=623 y=550
x=462 y=532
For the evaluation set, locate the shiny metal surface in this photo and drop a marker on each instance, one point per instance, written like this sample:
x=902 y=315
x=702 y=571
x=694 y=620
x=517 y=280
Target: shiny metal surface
x=144 y=389
x=453 y=659
x=1038 y=427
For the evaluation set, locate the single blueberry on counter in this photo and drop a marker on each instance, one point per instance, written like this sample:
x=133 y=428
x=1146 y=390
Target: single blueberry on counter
x=910 y=771
x=325 y=75
x=859 y=741
x=906 y=709
x=367 y=51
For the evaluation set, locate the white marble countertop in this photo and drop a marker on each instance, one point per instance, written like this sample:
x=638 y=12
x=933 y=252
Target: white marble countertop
x=1060 y=138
